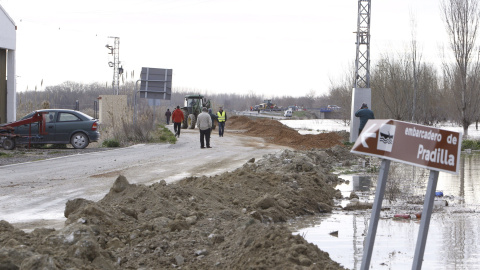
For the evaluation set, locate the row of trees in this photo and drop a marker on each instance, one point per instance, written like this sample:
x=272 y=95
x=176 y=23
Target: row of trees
x=67 y=94
x=406 y=88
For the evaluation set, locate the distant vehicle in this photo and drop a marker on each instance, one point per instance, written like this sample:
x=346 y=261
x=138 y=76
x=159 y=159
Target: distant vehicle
x=333 y=107
x=267 y=105
x=288 y=113
x=52 y=126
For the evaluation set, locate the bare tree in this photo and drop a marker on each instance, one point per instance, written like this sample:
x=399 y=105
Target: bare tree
x=340 y=93
x=391 y=87
x=416 y=60
x=431 y=99
x=462 y=21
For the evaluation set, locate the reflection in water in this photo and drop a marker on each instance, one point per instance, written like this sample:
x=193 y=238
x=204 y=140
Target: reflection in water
x=462 y=176
x=453 y=235
x=361 y=182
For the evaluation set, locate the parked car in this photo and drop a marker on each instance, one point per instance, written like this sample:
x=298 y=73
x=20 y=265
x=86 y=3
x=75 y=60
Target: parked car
x=288 y=113
x=62 y=126
x=333 y=107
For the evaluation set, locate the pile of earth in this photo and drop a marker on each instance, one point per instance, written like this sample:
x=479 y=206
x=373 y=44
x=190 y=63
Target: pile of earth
x=275 y=132
x=236 y=220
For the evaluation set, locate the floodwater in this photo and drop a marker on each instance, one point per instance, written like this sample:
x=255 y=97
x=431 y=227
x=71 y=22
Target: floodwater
x=453 y=236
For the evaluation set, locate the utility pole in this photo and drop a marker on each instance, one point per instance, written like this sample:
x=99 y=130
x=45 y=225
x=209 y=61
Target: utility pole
x=117 y=71
x=362 y=93
x=362 y=59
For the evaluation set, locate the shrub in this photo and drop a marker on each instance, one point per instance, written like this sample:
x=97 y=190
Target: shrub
x=110 y=143
x=163 y=134
x=470 y=144
x=5 y=155
x=347 y=143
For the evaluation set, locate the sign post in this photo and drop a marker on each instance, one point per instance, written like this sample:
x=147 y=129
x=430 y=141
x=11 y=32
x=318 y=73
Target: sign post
x=155 y=83
x=418 y=145
x=377 y=206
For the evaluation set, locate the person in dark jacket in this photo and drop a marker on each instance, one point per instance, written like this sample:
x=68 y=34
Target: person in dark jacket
x=214 y=118
x=364 y=113
x=167 y=115
x=177 y=119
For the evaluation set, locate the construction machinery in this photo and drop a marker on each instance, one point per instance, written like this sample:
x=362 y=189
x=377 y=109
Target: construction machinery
x=267 y=105
x=192 y=108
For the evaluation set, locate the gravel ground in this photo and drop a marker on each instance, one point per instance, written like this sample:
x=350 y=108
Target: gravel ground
x=23 y=154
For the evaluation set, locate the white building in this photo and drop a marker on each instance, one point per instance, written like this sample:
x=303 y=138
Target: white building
x=8 y=42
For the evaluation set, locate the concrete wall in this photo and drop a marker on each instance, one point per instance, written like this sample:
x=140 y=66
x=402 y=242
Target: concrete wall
x=111 y=109
x=3 y=85
x=11 y=87
x=359 y=96
x=8 y=39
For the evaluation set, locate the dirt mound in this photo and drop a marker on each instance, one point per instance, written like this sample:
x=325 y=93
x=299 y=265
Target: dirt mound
x=277 y=133
x=228 y=221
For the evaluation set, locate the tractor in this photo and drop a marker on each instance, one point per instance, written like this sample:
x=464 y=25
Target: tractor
x=191 y=110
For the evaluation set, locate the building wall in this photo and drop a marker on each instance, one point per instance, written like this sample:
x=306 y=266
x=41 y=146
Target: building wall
x=7 y=68
x=11 y=87
x=112 y=109
x=8 y=33
x=3 y=85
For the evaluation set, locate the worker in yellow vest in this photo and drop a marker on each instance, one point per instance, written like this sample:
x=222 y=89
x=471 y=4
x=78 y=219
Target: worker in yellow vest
x=222 y=118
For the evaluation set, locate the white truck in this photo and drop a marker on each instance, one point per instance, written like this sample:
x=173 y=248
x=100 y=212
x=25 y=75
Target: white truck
x=288 y=113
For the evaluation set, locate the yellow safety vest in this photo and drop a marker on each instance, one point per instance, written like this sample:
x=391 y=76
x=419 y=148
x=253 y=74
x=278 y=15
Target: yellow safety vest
x=221 y=116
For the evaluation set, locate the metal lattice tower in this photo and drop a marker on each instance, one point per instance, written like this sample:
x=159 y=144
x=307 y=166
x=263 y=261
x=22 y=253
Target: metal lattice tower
x=362 y=60
x=114 y=51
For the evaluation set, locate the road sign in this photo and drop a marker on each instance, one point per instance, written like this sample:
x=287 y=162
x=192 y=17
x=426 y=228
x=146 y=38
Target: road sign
x=418 y=145
x=156 y=83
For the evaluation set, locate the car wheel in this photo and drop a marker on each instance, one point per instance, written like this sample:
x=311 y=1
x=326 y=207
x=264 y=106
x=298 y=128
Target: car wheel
x=8 y=144
x=79 y=140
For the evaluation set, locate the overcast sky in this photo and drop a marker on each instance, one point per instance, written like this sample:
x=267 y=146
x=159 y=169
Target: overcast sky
x=267 y=47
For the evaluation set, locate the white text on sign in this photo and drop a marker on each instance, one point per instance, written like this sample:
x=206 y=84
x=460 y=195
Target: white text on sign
x=437 y=155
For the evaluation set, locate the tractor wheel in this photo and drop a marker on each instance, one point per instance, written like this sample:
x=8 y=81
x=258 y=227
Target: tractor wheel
x=185 y=120
x=8 y=144
x=192 y=120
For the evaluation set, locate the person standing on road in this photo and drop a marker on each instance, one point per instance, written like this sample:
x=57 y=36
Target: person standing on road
x=167 y=115
x=364 y=113
x=214 y=118
x=177 y=119
x=204 y=123
x=222 y=118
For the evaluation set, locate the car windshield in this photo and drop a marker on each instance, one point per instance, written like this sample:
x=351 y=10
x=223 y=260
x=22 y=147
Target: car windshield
x=192 y=102
x=27 y=116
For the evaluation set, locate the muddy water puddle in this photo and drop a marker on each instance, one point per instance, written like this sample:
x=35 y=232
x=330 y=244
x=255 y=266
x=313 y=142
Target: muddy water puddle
x=453 y=235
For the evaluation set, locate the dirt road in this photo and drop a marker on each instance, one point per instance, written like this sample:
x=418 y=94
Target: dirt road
x=211 y=220
x=34 y=194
